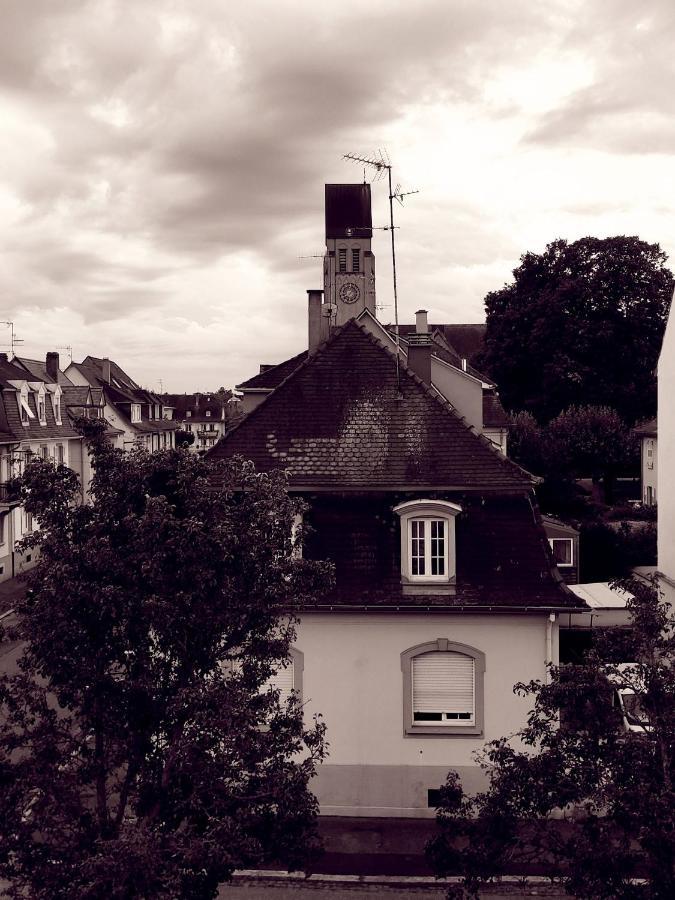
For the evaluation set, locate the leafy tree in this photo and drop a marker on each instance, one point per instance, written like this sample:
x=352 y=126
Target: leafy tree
x=527 y=442
x=591 y=441
x=574 y=757
x=581 y=323
x=184 y=438
x=607 y=553
x=141 y=755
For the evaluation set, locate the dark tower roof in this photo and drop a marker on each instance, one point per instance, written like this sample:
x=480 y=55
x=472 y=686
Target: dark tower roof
x=348 y=207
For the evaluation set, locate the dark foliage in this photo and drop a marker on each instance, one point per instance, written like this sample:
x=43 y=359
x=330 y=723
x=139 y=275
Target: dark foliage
x=574 y=791
x=581 y=323
x=141 y=755
x=184 y=438
x=608 y=552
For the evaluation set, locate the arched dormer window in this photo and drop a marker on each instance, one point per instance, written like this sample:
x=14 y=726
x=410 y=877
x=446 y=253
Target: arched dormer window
x=443 y=689
x=428 y=557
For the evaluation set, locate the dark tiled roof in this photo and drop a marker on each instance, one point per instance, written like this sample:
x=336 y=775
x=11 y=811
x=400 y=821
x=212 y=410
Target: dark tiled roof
x=34 y=431
x=9 y=371
x=116 y=373
x=503 y=560
x=38 y=370
x=494 y=415
x=340 y=420
x=648 y=428
x=348 y=207
x=272 y=377
x=198 y=405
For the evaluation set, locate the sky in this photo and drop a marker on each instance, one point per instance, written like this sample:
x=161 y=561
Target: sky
x=162 y=162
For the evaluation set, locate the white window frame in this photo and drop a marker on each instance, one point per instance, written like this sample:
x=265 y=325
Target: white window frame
x=568 y=540
x=427 y=511
x=280 y=679
x=443 y=727
x=56 y=405
x=42 y=406
x=135 y=412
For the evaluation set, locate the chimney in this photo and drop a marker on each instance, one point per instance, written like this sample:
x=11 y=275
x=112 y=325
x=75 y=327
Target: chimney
x=419 y=347
x=318 y=324
x=52 y=367
x=106 y=370
x=265 y=367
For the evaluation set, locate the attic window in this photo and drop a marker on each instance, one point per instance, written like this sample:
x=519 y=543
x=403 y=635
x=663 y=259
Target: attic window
x=428 y=559
x=56 y=405
x=563 y=551
x=207 y=413
x=42 y=412
x=188 y=414
x=342 y=259
x=135 y=412
x=26 y=412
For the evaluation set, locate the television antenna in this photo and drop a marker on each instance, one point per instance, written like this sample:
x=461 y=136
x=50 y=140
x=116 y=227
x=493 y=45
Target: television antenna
x=69 y=349
x=13 y=339
x=381 y=163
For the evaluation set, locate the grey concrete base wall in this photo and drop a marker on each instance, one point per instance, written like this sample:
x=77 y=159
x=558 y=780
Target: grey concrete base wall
x=382 y=791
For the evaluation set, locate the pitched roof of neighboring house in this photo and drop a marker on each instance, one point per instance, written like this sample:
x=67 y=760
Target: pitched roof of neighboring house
x=38 y=370
x=494 y=415
x=33 y=430
x=503 y=560
x=340 y=420
x=647 y=428
x=443 y=348
x=272 y=376
x=118 y=377
x=198 y=405
x=95 y=378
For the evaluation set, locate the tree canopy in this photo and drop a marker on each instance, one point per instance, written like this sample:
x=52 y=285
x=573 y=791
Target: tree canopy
x=142 y=752
x=581 y=324
x=576 y=791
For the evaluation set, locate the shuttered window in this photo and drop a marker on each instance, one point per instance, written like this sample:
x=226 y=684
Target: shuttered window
x=443 y=689
x=283 y=681
x=342 y=259
x=356 y=267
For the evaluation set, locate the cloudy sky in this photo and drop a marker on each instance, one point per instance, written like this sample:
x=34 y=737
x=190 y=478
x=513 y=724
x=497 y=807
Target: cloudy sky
x=162 y=162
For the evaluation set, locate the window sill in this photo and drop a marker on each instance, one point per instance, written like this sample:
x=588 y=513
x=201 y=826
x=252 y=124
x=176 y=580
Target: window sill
x=444 y=731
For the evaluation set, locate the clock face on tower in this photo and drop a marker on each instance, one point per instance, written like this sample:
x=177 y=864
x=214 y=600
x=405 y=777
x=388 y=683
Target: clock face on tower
x=349 y=292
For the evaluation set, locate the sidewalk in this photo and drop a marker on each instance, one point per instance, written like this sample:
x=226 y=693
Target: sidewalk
x=284 y=886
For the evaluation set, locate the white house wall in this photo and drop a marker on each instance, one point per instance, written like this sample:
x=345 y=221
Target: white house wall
x=352 y=676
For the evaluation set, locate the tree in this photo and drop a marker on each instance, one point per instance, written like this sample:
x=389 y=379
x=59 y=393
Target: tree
x=141 y=753
x=590 y=441
x=574 y=757
x=527 y=442
x=184 y=438
x=581 y=323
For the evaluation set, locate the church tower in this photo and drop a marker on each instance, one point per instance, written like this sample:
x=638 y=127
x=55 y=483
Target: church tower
x=349 y=264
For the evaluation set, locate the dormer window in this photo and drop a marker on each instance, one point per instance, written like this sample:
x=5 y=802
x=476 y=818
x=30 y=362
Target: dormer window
x=428 y=559
x=135 y=412
x=42 y=408
x=56 y=405
x=208 y=413
x=26 y=412
x=188 y=414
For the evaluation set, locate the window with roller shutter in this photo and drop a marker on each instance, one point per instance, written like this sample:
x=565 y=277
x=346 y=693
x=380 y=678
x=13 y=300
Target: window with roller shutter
x=442 y=689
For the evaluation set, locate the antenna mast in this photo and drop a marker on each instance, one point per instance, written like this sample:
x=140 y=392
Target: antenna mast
x=13 y=339
x=380 y=164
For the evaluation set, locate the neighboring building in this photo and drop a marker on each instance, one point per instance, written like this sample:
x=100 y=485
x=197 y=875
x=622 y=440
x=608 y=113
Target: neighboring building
x=34 y=421
x=666 y=460
x=564 y=543
x=446 y=593
x=135 y=413
x=206 y=416
x=648 y=461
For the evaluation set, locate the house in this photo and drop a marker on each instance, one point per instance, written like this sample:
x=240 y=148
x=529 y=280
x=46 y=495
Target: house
x=648 y=461
x=137 y=414
x=666 y=461
x=35 y=420
x=564 y=542
x=207 y=416
x=446 y=592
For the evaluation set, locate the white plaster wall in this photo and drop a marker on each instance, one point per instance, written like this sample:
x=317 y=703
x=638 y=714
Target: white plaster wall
x=666 y=452
x=649 y=473
x=352 y=676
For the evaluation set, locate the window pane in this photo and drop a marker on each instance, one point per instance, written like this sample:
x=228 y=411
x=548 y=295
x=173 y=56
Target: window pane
x=417 y=545
x=562 y=551
x=437 y=547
